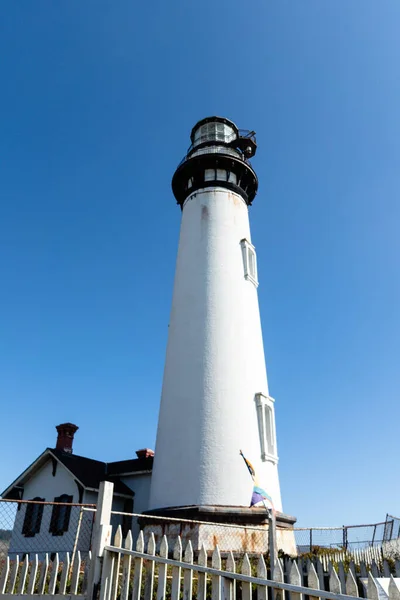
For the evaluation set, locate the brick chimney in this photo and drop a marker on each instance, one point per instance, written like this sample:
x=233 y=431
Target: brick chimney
x=65 y=437
x=145 y=453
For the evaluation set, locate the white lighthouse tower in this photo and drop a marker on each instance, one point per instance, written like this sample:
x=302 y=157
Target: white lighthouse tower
x=215 y=398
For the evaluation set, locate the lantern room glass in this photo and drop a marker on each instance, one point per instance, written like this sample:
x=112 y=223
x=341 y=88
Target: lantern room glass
x=214 y=131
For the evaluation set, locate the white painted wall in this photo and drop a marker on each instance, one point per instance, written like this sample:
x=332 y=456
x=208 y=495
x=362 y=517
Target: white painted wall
x=214 y=365
x=44 y=485
x=90 y=497
x=140 y=484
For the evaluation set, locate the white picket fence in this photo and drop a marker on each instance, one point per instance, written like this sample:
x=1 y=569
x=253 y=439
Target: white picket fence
x=45 y=577
x=358 y=555
x=360 y=562
x=155 y=571
x=141 y=574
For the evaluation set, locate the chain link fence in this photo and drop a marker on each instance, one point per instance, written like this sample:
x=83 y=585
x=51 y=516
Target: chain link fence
x=348 y=537
x=38 y=527
x=392 y=528
x=228 y=536
x=254 y=539
x=391 y=543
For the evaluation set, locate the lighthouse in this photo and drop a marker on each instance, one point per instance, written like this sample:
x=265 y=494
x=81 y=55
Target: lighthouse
x=215 y=400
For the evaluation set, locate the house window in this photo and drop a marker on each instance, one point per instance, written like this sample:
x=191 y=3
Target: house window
x=249 y=261
x=33 y=518
x=60 y=515
x=266 y=427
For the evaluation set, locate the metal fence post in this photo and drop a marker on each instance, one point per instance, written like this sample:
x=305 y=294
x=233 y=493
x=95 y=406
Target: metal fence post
x=78 y=531
x=373 y=536
x=345 y=540
x=273 y=555
x=310 y=539
x=101 y=537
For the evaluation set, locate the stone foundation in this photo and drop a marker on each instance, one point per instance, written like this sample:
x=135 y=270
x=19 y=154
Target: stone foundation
x=237 y=529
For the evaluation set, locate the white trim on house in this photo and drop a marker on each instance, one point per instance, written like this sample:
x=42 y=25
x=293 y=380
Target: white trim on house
x=48 y=454
x=27 y=471
x=39 y=462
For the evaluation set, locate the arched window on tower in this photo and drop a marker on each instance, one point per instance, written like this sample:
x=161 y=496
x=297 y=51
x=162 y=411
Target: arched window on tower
x=249 y=261
x=266 y=427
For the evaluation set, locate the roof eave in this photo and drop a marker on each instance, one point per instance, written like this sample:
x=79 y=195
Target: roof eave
x=96 y=490
x=24 y=474
x=70 y=472
x=143 y=472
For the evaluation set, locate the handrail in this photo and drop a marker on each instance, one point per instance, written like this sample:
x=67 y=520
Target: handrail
x=243 y=133
x=204 y=148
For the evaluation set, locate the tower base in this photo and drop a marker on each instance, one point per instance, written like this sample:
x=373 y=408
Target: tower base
x=233 y=528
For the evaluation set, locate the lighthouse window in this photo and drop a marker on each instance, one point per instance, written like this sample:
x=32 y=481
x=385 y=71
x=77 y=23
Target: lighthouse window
x=266 y=427
x=220 y=132
x=252 y=263
x=269 y=429
x=232 y=177
x=206 y=132
x=249 y=261
x=213 y=131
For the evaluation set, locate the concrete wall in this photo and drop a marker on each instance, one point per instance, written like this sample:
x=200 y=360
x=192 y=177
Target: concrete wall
x=214 y=365
x=234 y=538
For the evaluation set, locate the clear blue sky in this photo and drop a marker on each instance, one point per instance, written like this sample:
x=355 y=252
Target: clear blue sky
x=97 y=101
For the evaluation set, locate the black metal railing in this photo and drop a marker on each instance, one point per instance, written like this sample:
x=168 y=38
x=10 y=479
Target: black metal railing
x=227 y=150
